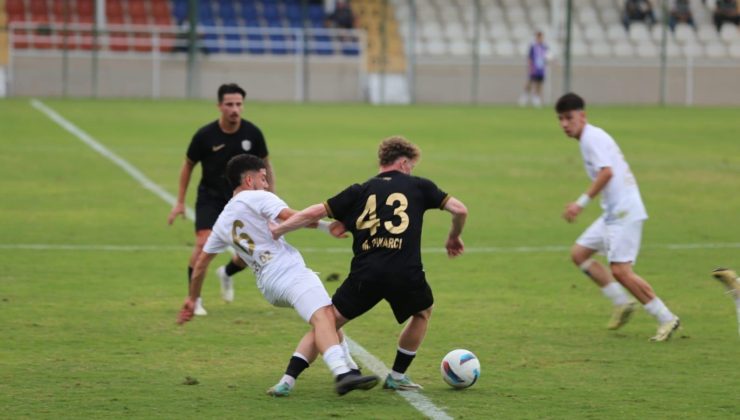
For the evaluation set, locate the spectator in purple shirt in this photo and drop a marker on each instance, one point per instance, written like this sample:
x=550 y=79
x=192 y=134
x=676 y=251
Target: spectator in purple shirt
x=537 y=66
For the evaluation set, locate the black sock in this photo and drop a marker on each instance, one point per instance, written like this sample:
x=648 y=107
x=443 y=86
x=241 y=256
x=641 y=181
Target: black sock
x=296 y=366
x=190 y=274
x=402 y=362
x=232 y=268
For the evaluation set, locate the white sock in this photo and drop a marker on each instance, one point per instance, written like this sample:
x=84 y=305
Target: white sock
x=657 y=308
x=616 y=293
x=397 y=376
x=288 y=380
x=334 y=359
x=347 y=356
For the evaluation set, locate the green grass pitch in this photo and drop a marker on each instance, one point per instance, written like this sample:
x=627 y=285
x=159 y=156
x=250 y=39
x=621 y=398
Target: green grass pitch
x=89 y=332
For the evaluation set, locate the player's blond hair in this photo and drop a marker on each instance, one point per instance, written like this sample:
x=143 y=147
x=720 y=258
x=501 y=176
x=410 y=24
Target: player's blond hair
x=395 y=147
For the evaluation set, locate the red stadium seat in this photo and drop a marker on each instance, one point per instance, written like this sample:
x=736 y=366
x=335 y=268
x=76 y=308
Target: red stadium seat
x=20 y=39
x=59 y=13
x=137 y=9
x=163 y=20
x=85 y=8
x=167 y=38
x=116 y=19
x=139 y=19
x=42 y=42
x=114 y=10
x=66 y=40
x=15 y=7
x=39 y=7
x=160 y=10
x=142 y=42
x=86 y=40
x=39 y=18
x=16 y=17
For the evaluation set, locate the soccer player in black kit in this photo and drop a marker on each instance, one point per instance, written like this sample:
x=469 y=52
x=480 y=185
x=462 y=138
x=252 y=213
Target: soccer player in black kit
x=213 y=145
x=385 y=216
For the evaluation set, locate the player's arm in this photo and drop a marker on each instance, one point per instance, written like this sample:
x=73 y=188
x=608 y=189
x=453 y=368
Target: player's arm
x=459 y=213
x=179 y=208
x=572 y=210
x=335 y=228
x=300 y=219
x=270 y=175
x=196 y=283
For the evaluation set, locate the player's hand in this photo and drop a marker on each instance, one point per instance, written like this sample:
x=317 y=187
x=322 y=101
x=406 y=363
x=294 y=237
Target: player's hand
x=178 y=209
x=572 y=210
x=187 y=312
x=454 y=246
x=337 y=229
x=274 y=229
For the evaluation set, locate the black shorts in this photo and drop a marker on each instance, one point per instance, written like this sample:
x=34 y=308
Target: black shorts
x=536 y=77
x=407 y=294
x=208 y=206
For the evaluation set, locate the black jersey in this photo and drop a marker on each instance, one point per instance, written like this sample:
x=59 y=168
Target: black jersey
x=213 y=148
x=385 y=216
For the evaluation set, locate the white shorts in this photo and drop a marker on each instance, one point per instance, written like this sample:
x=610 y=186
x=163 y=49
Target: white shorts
x=619 y=240
x=299 y=288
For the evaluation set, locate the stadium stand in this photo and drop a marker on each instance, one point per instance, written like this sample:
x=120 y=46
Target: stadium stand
x=224 y=26
x=445 y=28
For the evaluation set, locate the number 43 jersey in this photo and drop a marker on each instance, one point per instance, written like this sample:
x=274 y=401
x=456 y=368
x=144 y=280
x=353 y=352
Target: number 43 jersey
x=243 y=225
x=385 y=216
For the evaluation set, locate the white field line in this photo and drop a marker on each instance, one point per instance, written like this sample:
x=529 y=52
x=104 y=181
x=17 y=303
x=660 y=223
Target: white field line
x=420 y=402
x=347 y=250
x=416 y=399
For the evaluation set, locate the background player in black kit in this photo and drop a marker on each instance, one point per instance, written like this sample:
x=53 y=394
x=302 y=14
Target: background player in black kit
x=213 y=145
x=385 y=216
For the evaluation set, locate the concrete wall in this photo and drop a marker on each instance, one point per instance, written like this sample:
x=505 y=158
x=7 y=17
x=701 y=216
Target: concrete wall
x=606 y=82
x=265 y=78
x=340 y=79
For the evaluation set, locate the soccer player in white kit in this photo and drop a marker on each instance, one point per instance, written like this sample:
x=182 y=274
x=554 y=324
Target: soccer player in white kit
x=282 y=275
x=617 y=232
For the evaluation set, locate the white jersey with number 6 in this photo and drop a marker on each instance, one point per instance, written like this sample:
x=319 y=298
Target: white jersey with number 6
x=243 y=225
x=621 y=198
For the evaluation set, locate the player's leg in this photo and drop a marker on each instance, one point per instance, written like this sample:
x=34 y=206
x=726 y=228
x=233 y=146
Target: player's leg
x=414 y=301
x=353 y=366
x=731 y=281
x=327 y=342
x=207 y=210
x=591 y=241
x=624 y=245
x=225 y=273
x=537 y=95
x=201 y=236
x=524 y=98
x=408 y=344
x=310 y=299
x=303 y=356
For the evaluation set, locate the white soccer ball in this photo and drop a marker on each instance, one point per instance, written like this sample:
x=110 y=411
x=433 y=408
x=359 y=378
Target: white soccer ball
x=460 y=368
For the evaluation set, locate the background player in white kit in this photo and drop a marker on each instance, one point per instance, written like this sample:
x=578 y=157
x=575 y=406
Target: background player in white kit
x=282 y=275
x=617 y=232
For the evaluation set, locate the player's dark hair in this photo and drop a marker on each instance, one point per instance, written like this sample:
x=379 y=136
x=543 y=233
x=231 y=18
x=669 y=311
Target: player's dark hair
x=395 y=147
x=239 y=165
x=228 y=88
x=570 y=102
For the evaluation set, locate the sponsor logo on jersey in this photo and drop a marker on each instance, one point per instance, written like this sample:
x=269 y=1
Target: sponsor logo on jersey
x=217 y=148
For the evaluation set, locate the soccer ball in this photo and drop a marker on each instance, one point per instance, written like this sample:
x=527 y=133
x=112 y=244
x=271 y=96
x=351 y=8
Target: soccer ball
x=460 y=368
